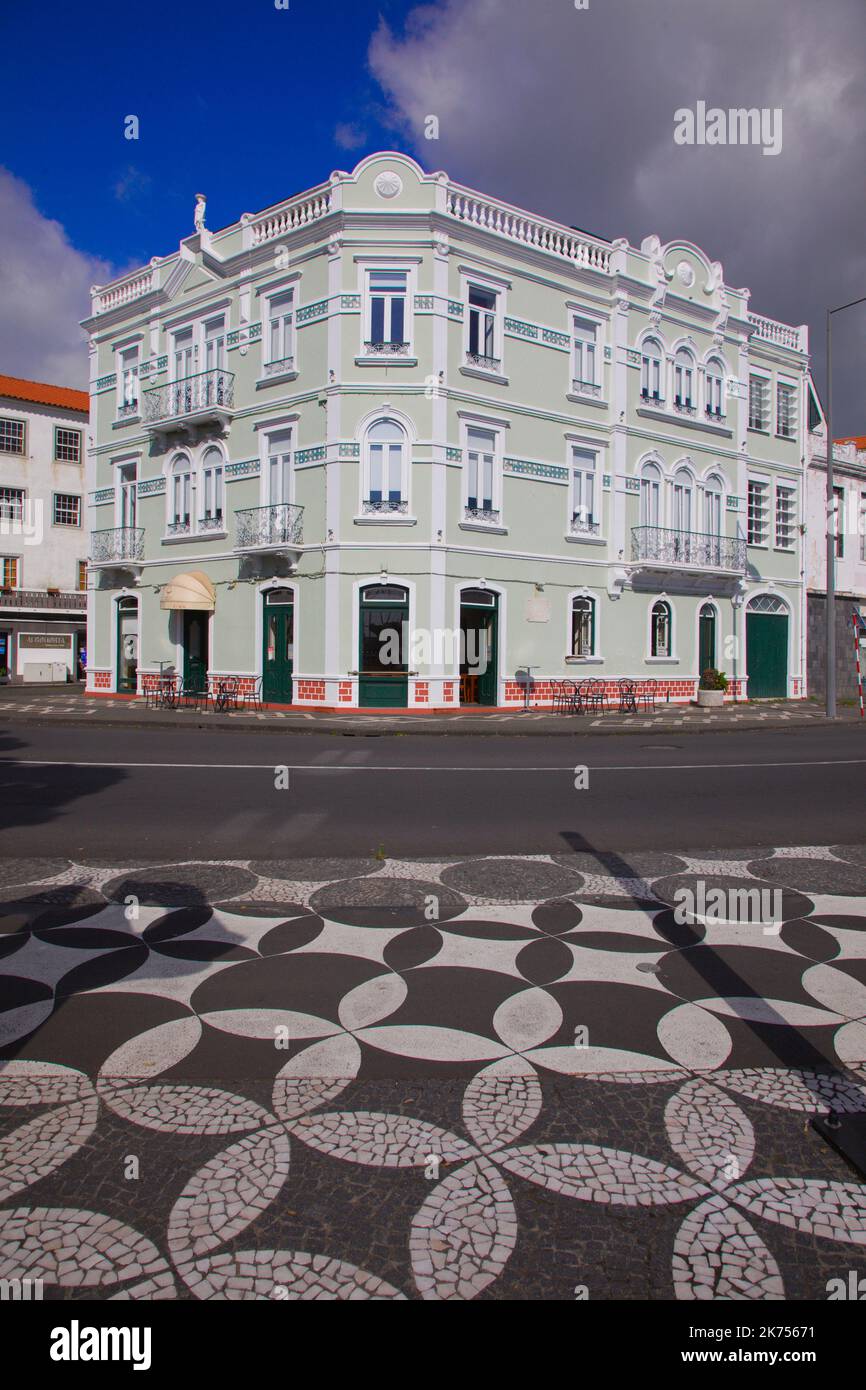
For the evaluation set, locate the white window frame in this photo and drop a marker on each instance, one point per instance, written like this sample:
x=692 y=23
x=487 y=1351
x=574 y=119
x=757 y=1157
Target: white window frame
x=652 y=367
x=767 y=384
x=791 y=490
x=585 y=354
x=68 y=429
x=714 y=486
x=765 y=483
x=593 y=653
x=671 y=654
x=271 y=434
x=18 y=562
x=403 y=265
x=366 y=502
x=128 y=381
x=120 y=466
x=470 y=280
x=713 y=375
x=652 y=473
x=285 y=318
x=186 y=495
x=684 y=369
x=468 y=425
x=784 y=384
x=579 y=467
x=211 y=492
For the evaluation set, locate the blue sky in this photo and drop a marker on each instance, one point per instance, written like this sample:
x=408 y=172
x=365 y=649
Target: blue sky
x=567 y=113
x=234 y=97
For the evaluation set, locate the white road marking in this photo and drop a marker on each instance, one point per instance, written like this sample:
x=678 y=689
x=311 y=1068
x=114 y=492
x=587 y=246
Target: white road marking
x=390 y=767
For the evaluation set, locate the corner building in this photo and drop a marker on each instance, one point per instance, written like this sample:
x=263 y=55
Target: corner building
x=395 y=402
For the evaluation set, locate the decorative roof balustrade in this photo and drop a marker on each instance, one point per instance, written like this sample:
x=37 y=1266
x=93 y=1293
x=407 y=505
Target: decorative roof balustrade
x=510 y=222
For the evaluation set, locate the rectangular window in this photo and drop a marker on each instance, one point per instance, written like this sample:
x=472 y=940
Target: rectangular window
x=11 y=571
x=279 y=468
x=583 y=517
x=482 y=325
x=758 y=406
x=757 y=513
x=387 y=326
x=82 y=576
x=784 y=517
x=11 y=436
x=67 y=509
x=11 y=504
x=280 y=343
x=584 y=369
x=127 y=381
x=650 y=377
x=839 y=521
x=480 y=453
x=786 y=410
x=67 y=445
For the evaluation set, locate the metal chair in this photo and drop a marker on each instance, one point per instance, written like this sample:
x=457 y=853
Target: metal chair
x=224 y=693
x=594 y=695
x=627 y=698
x=571 y=703
x=252 y=697
x=557 y=695
x=648 y=692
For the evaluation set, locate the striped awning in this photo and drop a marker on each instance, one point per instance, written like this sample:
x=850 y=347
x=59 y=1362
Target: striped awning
x=190 y=590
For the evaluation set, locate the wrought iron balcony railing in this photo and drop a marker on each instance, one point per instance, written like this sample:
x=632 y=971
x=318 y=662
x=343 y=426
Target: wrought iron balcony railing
x=585 y=388
x=700 y=550
x=583 y=526
x=117 y=545
x=387 y=505
x=485 y=514
x=386 y=349
x=262 y=528
x=487 y=364
x=191 y=395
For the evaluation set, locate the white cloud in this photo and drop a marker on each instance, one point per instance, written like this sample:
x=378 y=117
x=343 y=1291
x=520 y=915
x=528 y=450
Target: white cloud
x=349 y=136
x=571 y=113
x=45 y=292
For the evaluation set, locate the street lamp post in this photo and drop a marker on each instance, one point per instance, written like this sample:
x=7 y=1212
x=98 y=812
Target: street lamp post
x=832 y=520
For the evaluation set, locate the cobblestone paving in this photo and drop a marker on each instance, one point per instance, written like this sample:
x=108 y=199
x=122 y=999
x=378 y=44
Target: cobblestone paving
x=530 y=1073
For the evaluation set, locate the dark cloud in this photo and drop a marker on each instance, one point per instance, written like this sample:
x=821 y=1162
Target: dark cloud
x=571 y=113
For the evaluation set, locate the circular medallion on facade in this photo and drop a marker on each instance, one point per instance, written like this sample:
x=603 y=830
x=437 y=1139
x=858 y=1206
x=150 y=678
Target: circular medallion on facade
x=686 y=274
x=388 y=184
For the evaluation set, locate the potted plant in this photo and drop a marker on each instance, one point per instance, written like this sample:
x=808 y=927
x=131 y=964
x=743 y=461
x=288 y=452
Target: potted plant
x=711 y=689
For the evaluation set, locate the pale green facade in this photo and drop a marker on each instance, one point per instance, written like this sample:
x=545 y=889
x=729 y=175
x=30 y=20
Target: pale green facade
x=659 y=514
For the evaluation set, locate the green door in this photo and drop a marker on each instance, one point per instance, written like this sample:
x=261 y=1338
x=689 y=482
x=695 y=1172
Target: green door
x=195 y=650
x=278 y=657
x=767 y=652
x=383 y=673
x=707 y=639
x=479 y=611
x=127 y=646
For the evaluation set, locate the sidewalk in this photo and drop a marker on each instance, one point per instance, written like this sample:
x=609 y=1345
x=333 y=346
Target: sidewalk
x=70 y=706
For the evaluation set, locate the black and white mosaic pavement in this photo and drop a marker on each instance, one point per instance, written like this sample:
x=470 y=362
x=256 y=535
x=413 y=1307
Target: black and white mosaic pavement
x=504 y=1078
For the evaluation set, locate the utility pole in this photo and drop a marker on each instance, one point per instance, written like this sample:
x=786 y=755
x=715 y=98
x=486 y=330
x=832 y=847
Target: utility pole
x=832 y=520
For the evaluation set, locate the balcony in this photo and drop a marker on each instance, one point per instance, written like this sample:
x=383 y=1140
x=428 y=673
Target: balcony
x=203 y=398
x=482 y=362
x=657 y=548
x=583 y=526
x=43 y=599
x=270 y=530
x=386 y=349
x=387 y=506
x=119 y=546
x=485 y=516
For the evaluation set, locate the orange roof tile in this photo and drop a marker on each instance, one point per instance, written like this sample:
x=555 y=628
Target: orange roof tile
x=859 y=440
x=21 y=390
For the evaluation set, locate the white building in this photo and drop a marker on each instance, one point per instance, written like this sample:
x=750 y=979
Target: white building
x=849 y=487
x=43 y=540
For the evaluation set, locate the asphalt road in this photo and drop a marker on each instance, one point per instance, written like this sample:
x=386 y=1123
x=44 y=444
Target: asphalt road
x=175 y=794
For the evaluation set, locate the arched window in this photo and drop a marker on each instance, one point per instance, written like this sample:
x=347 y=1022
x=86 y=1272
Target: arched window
x=385 y=489
x=583 y=626
x=180 y=495
x=684 y=376
x=212 y=490
x=651 y=371
x=766 y=603
x=650 y=494
x=715 y=377
x=682 y=514
x=660 y=629
x=713 y=495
